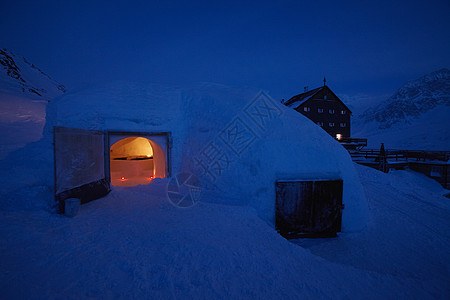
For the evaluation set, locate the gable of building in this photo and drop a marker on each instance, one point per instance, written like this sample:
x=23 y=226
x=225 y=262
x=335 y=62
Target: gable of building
x=318 y=94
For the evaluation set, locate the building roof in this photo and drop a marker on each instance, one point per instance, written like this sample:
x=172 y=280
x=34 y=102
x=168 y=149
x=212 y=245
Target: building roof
x=299 y=99
x=302 y=98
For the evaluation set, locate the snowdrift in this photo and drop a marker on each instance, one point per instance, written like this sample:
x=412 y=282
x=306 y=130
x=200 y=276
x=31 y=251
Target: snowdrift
x=253 y=140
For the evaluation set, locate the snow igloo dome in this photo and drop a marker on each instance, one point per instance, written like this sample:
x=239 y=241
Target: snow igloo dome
x=240 y=145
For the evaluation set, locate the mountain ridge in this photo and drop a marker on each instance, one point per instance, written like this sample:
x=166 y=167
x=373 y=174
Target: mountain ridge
x=413 y=99
x=19 y=76
x=25 y=91
x=415 y=117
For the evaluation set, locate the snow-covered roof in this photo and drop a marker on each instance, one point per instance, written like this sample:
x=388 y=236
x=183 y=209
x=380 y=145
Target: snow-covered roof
x=299 y=99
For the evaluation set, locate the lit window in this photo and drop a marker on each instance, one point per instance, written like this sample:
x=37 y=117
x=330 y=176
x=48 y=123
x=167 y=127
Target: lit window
x=320 y=110
x=331 y=111
x=306 y=108
x=338 y=136
x=343 y=112
x=320 y=124
x=343 y=125
x=325 y=97
x=331 y=124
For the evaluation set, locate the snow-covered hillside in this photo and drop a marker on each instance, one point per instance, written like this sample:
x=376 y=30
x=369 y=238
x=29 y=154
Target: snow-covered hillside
x=24 y=93
x=414 y=117
x=18 y=75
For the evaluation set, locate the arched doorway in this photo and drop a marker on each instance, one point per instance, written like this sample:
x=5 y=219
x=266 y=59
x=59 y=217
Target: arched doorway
x=136 y=160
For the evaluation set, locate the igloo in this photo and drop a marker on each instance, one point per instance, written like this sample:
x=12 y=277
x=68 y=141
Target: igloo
x=240 y=146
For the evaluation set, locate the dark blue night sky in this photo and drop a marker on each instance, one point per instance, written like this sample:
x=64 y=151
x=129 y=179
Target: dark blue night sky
x=362 y=47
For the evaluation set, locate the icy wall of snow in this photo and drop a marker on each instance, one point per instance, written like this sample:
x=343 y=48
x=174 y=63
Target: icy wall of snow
x=246 y=141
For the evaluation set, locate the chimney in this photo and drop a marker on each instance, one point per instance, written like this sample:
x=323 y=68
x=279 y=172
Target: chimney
x=305 y=89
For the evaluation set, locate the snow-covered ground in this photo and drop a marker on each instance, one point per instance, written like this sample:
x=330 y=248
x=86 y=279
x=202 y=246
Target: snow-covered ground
x=134 y=244
x=429 y=131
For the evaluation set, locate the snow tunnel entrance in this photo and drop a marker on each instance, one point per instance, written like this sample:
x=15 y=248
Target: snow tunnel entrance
x=137 y=159
x=87 y=162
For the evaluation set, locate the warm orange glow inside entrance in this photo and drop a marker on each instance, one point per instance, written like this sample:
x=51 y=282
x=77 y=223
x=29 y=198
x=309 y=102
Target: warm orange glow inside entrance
x=136 y=160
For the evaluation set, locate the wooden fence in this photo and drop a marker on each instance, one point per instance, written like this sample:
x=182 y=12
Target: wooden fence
x=433 y=164
x=418 y=155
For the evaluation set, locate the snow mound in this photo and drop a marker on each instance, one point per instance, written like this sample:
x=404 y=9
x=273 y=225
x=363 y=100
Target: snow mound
x=256 y=140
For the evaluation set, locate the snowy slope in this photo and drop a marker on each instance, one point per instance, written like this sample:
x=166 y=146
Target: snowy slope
x=359 y=103
x=133 y=244
x=414 y=117
x=24 y=93
x=430 y=131
x=19 y=76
